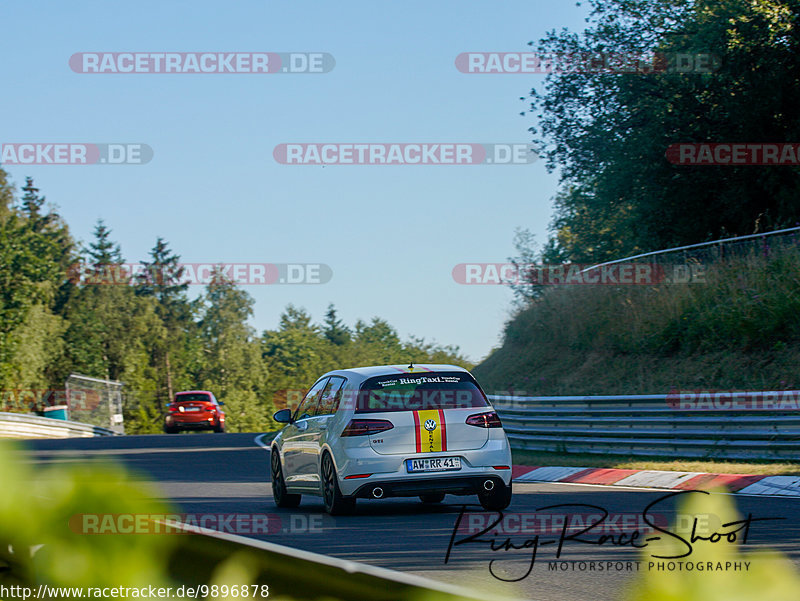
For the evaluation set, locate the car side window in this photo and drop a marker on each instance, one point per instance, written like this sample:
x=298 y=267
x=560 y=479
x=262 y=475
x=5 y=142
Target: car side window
x=308 y=407
x=329 y=401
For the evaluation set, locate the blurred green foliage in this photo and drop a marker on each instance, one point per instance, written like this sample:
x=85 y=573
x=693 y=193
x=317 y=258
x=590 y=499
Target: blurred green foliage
x=37 y=544
x=770 y=576
x=42 y=543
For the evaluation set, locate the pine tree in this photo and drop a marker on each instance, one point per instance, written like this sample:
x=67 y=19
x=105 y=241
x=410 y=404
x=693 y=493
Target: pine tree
x=335 y=330
x=102 y=251
x=161 y=280
x=105 y=316
x=31 y=201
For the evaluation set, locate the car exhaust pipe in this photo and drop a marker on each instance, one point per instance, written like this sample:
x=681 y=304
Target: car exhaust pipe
x=377 y=492
x=488 y=485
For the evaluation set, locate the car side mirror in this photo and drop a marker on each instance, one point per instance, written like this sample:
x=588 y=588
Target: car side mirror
x=284 y=416
x=220 y=403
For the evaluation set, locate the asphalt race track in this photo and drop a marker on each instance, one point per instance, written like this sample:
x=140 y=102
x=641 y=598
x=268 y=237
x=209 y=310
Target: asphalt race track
x=224 y=474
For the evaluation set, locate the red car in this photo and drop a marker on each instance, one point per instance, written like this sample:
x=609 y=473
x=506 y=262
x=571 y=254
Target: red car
x=194 y=410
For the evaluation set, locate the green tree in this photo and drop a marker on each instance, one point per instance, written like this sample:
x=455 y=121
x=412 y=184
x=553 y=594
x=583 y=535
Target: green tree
x=294 y=349
x=299 y=351
x=35 y=249
x=335 y=330
x=6 y=195
x=232 y=366
x=107 y=320
x=607 y=133
x=434 y=353
x=32 y=203
x=161 y=280
x=103 y=251
x=111 y=330
x=378 y=343
x=294 y=318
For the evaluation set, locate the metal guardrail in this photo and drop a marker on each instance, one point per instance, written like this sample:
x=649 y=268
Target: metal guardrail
x=653 y=425
x=719 y=245
x=20 y=425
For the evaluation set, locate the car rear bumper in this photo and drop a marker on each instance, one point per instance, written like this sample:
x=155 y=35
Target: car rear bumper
x=477 y=466
x=452 y=485
x=194 y=421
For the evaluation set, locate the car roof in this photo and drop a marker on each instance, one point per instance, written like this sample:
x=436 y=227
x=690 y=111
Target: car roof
x=387 y=370
x=194 y=392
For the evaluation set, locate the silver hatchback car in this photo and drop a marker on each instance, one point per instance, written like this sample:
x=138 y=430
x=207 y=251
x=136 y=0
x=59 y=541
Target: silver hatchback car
x=391 y=431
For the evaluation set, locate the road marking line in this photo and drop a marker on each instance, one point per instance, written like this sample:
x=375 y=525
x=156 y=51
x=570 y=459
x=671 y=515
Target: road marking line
x=260 y=443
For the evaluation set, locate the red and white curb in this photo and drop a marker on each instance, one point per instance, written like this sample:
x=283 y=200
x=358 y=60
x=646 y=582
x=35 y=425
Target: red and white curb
x=746 y=484
x=788 y=486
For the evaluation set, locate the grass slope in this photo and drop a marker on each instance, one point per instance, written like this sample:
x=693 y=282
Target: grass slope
x=739 y=330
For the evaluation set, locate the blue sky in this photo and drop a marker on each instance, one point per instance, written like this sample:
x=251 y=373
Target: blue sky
x=391 y=234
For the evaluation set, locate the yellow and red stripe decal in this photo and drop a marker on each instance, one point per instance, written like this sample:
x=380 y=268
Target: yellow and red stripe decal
x=430 y=441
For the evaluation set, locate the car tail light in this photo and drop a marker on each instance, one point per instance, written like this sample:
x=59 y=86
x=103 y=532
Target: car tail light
x=365 y=427
x=488 y=419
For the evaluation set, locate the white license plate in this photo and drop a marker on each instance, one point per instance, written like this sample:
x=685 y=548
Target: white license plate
x=192 y=409
x=434 y=464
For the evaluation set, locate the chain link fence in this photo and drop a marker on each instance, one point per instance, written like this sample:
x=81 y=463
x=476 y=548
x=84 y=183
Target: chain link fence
x=95 y=402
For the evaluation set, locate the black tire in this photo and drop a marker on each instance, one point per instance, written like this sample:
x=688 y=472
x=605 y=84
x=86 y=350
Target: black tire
x=335 y=502
x=220 y=429
x=432 y=497
x=281 y=497
x=169 y=430
x=496 y=499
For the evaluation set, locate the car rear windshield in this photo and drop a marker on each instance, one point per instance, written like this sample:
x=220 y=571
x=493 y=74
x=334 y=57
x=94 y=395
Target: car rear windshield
x=412 y=392
x=182 y=398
